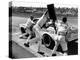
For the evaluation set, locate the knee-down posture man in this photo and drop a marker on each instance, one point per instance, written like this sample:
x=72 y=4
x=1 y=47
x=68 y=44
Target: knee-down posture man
x=37 y=29
x=27 y=27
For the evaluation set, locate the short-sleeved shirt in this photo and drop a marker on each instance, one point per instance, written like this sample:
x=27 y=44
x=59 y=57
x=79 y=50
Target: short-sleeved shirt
x=61 y=28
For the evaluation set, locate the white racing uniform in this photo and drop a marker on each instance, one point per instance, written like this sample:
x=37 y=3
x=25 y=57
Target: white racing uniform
x=61 y=32
x=37 y=28
x=28 y=24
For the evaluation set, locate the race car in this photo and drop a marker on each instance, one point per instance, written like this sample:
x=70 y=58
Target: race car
x=48 y=36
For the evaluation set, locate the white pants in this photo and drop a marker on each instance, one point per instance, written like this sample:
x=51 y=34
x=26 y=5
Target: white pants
x=60 y=40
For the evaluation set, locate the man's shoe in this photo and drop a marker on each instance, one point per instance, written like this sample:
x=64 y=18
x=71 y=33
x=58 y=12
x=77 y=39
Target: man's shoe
x=53 y=54
x=26 y=44
x=41 y=53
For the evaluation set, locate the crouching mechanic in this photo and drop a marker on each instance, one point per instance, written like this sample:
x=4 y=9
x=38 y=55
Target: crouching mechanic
x=27 y=27
x=37 y=29
x=62 y=27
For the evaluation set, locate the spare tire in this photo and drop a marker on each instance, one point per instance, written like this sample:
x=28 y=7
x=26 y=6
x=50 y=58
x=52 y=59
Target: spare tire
x=48 y=41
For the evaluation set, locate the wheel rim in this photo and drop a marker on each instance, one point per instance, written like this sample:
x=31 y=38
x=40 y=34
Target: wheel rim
x=46 y=40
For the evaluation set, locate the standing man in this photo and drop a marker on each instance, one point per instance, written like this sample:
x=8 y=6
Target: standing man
x=62 y=28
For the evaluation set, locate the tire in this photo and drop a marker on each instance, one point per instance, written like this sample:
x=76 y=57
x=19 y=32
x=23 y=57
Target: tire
x=48 y=41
